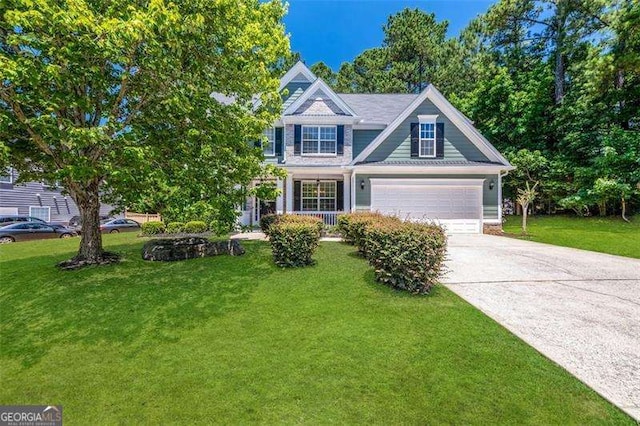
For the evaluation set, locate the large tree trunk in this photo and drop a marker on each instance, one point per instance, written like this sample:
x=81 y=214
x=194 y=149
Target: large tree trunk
x=560 y=67
x=87 y=198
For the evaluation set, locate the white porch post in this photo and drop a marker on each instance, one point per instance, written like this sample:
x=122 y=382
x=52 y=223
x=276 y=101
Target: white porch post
x=353 y=191
x=347 y=192
x=289 y=193
x=500 y=197
x=280 y=198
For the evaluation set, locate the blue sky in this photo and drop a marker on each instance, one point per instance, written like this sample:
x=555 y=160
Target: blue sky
x=335 y=31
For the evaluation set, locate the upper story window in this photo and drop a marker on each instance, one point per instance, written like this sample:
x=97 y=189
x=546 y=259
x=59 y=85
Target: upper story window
x=269 y=146
x=319 y=140
x=427 y=147
x=8 y=177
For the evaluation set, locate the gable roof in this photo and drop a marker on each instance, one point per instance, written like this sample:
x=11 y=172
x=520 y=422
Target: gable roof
x=455 y=116
x=319 y=85
x=377 y=108
x=298 y=72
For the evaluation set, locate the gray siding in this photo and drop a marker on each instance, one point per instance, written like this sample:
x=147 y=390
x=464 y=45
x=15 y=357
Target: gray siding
x=362 y=138
x=24 y=195
x=397 y=146
x=489 y=196
x=292 y=91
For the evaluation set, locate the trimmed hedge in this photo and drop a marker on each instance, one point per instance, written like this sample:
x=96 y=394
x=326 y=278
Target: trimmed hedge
x=195 y=227
x=152 y=228
x=407 y=256
x=266 y=221
x=294 y=239
x=174 y=227
x=352 y=227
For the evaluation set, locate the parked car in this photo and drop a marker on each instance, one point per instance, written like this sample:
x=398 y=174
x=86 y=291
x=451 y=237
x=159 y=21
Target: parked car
x=9 y=219
x=76 y=222
x=113 y=226
x=25 y=231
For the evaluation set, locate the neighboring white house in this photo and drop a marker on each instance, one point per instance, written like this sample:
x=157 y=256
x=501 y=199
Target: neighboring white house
x=412 y=155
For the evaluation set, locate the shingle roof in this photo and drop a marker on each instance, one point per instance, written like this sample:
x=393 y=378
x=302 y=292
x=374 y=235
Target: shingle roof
x=430 y=163
x=377 y=108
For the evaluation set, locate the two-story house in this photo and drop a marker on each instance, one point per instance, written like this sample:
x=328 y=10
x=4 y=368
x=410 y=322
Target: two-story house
x=412 y=155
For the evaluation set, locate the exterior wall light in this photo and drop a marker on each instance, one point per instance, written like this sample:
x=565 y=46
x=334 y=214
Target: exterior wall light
x=492 y=183
x=362 y=184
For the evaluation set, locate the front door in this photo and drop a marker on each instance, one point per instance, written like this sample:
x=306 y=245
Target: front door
x=265 y=207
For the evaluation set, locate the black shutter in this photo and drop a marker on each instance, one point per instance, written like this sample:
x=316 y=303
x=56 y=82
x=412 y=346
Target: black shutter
x=439 y=140
x=279 y=144
x=297 y=139
x=340 y=136
x=257 y=143
x=297 y=194
x=415 y=139
x=340 y=195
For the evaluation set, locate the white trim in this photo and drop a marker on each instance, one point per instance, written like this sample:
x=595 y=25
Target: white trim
x=433 y=182
x=319 y=84
x=271 y=141
x=456 y=118
x=317 y=153
x=317 y=182
x=428 y=118
x=298 y=68
x=353 y=192
x=41 y=207
x=422 y=170
x=421 y=139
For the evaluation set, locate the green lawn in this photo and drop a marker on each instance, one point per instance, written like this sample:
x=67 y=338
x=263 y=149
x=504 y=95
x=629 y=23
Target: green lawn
x=606 y=235
x=237 y=340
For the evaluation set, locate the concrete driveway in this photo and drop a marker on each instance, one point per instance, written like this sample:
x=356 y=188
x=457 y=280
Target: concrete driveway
x=579 y=308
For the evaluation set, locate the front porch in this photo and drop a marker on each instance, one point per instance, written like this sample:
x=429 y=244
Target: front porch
x=323 y=195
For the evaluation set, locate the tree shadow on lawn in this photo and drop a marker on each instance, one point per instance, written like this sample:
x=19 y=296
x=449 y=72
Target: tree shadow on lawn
x=130 y=304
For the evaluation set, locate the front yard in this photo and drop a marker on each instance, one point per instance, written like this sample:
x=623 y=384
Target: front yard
x=237 y=340
x=603 y=234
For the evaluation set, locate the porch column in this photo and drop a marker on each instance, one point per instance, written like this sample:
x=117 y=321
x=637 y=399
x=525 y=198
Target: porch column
x=280 y=198
x=289 y=194
x=347 y=192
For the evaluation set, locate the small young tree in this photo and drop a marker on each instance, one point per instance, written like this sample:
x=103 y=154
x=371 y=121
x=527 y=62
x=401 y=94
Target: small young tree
x=525 y=198
x=530 y=169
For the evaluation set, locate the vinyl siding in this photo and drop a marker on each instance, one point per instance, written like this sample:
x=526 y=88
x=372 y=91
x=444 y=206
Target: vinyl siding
x=362 y=138
x=489 y=196
x=24 y=195
x=293 y=91
x=397 y=146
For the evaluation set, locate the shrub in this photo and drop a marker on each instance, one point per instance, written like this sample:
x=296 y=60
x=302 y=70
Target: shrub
x=305 y=219
x=152 y=228
x=293 y=243
x=174 y=227
x=195 y=227
x=406 y=256
x=266 y=221
x=352 y=227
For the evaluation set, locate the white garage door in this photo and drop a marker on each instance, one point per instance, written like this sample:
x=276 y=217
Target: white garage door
x=454 y=203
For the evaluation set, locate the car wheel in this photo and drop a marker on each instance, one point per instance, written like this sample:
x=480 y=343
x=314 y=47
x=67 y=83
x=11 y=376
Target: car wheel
x=66 y=236
x=114 y=231
x=6 y=240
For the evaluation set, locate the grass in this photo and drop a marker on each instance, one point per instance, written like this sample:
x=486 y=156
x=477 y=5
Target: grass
x=602 y=234
x=237 y=340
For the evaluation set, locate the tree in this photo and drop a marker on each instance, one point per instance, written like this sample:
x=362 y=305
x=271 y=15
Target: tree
x=112 y=99
x=415 y=43
x=323 y=71
x=525 y=198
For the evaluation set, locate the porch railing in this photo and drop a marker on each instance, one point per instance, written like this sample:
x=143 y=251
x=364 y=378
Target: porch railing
x=329 y=218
